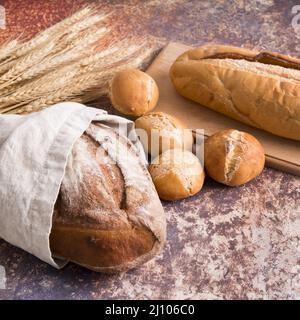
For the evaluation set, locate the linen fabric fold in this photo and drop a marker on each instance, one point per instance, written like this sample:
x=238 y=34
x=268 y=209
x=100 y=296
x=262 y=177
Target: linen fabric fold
x=33 y=155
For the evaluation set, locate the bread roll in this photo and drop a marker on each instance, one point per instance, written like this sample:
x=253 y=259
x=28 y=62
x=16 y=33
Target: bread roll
x=259 y=89
x=233 y=157
x=108 y=216
x=177 y=174
x=133 y=92
x=163 y=132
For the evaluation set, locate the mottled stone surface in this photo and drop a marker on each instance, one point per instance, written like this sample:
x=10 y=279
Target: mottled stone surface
x=223 y=243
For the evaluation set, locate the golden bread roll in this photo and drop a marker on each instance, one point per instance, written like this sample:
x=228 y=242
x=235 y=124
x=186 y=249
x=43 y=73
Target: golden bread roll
x=233 y=157
x=259 y=89
x=133 y=92
x=162 y=132
x=177 y=174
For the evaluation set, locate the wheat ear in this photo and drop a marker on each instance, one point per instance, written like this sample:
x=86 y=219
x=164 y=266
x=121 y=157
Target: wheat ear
x=84 y=84
x=8 y=47
x=52 y=62
x=44 y=35
x=24 y=63
x=65 y=75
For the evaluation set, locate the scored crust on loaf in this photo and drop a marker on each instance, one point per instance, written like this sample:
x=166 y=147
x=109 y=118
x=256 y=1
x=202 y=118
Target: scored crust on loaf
x=235 y=148
x=108 y=216
x=262 y=95
x=177 y=172
x=233 y=157
x=267 y=70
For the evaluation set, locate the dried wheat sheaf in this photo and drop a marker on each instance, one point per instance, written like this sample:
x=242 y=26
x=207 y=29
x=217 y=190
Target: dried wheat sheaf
x=72 y=60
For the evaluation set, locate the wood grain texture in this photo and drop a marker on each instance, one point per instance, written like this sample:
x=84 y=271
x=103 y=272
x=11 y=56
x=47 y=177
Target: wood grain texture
x=223 y=243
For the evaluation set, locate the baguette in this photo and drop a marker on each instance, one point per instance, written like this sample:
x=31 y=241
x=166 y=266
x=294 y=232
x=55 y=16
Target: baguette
x=108 y=216
x=258 y=89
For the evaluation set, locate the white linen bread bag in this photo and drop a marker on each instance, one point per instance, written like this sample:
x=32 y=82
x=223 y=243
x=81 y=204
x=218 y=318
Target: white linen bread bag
x=75 y=187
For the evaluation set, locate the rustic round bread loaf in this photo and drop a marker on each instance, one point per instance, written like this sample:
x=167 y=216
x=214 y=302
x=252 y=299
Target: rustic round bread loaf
x=177 y=174
x=162 y=132
x=233 y=157
x=108 y=216
x=133 y=92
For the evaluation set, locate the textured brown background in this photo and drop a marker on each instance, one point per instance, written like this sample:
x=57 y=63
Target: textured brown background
x=223 y=243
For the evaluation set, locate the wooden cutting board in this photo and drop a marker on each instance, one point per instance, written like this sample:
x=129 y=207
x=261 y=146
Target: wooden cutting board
x=281 y=153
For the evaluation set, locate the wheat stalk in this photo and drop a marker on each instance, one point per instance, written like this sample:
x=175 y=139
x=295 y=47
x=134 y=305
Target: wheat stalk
x=97 y=65
x=69 y=55
x=64 y=75
x=45 y=35
x=4 y=68
x=62 y=63
x=75 y=29
x=16 y=49
x=84 y=85
x=8 y=47
x=24 y=63
x=80 y=41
